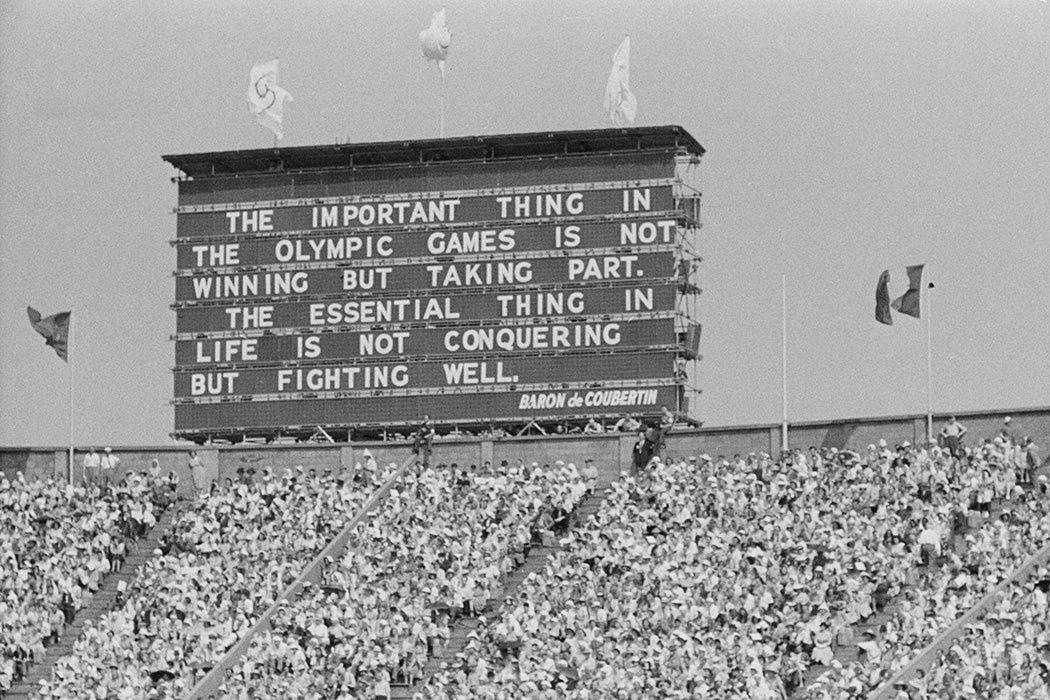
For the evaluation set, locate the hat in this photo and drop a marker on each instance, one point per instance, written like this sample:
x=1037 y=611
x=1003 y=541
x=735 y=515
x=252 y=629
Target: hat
x=109 y=449
x=1006 y=420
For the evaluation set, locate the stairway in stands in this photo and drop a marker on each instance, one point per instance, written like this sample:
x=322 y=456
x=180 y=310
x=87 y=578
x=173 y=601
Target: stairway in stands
x=848 y=653
x=95 y=605
x=463 y=626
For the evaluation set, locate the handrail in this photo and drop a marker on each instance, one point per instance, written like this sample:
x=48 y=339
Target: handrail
x=928 y=655
x=209 y=685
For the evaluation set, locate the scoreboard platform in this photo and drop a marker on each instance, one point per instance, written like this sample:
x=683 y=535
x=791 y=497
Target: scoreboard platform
x=490 y=282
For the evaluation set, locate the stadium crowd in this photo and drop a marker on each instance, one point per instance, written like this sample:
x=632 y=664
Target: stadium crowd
x=226 y=559
x=697 y=577
x=57 y=542
x=439 y=547
x=731 y=578
x=964 y=570
x=1004 y=655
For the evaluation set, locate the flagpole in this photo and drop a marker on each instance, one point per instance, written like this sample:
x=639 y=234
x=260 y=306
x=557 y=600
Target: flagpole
x=929 y=363
x=783 y=362
x=70 y=355
x=442 y=102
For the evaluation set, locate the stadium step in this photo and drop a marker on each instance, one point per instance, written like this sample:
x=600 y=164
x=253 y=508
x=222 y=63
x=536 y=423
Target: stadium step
x=536 y=560
x=94 y=606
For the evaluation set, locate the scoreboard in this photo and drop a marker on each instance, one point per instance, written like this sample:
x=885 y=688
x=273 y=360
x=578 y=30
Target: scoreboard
x=484 y=281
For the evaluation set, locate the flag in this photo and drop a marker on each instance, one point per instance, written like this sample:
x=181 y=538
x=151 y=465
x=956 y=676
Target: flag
x=266 y=99
x=436 y=39
x=55 y=330
x=620 y=103
x=882 y=300
x=908 y=303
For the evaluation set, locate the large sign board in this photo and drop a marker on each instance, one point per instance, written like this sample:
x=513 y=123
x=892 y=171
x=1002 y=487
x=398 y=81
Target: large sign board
x=475 y=303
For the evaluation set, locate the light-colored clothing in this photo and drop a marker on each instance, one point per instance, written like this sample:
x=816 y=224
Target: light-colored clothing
x=197 y=474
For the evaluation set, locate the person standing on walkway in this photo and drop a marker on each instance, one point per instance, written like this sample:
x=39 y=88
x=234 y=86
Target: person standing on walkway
x=641 y=453
x=109 y=464
x=952 y=434
x=92 y=462
x=197 y=474
x=424 y=441
x=1031 y=459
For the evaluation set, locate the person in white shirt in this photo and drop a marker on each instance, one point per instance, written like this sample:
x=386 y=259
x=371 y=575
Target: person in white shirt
x=108 y=466
x=590 y=474
x=930 y=543
x=92 y=462
x=197 y=475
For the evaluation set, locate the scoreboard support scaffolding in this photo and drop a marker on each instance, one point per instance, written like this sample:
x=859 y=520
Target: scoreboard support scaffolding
x=496 y=283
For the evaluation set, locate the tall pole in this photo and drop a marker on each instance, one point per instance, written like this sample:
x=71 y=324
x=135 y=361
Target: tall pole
x=71 y=355
x=442 y=101
x=784 y=362
x=929 y=364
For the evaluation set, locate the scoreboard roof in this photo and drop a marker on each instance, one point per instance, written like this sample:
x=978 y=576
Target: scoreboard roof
x=420 y=152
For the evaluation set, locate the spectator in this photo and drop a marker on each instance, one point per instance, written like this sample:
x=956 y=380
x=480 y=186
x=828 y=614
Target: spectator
x=627 y=424
x=641 y=453
x=1004 y=432
x=930 y=543
x=92 y=463
x=108 y=466
x=197 y=474
x=590 y=474
x=667 y=420
x=952 y=433
x=423 y=440
x=1031 y=458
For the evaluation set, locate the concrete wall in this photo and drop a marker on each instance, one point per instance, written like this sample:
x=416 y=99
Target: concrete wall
x=611 y=452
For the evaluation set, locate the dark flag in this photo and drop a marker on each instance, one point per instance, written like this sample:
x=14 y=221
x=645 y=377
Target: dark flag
x=54 y=328
x=882 y=300
x=909 y=302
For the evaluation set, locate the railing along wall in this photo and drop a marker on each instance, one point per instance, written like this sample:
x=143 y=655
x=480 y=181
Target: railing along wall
x=208 y=686
x=925 y=658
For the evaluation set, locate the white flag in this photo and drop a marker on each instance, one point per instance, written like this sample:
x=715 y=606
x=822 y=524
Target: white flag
x=620 y=103
x=436 y=39
x=266 y=99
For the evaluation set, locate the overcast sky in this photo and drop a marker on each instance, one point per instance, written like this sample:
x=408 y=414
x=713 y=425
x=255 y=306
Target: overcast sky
x=843 y=138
